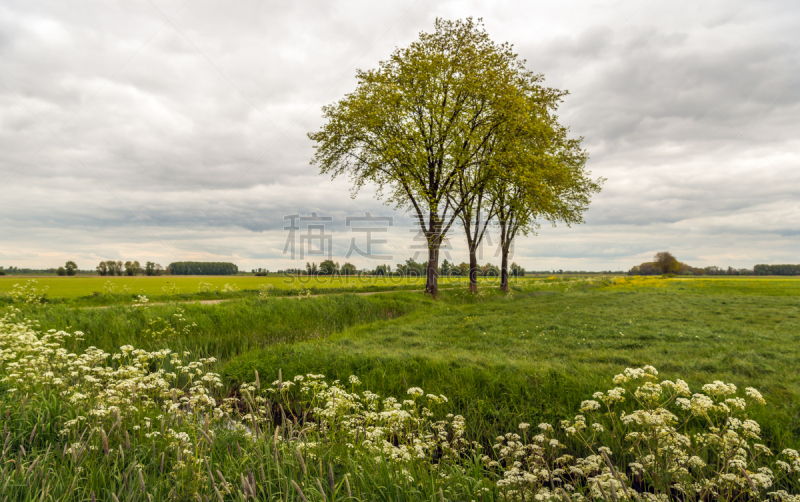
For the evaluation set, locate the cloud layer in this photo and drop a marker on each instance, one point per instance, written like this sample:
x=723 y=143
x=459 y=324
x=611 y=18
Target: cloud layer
x=171 y=130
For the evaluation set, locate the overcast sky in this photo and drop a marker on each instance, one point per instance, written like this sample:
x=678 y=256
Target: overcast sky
x=170 y=130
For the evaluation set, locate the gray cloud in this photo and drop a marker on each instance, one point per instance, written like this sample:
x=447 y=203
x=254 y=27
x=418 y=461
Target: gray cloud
x=200 y=123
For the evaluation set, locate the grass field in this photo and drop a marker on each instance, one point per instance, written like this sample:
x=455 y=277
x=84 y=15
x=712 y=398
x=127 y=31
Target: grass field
x=534 y=356
x=531 y=356
x=161 y=287
x=565 y=336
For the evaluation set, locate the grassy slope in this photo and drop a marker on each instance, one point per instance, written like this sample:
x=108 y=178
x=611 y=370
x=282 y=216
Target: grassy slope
x=536 y=355
x=227 y=329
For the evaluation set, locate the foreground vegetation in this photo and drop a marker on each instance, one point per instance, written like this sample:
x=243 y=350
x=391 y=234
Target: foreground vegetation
x=535 y=356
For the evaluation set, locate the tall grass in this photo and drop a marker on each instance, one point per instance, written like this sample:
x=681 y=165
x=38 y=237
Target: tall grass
x=224 y=330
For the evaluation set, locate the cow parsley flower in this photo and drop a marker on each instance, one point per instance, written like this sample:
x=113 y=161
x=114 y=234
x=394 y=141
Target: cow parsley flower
x=415 y=392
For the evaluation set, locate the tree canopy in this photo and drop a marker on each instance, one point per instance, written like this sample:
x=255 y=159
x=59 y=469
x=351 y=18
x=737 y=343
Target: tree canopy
x=666 y=262
x=418 y=123
x=71 y=268
x=542 y=177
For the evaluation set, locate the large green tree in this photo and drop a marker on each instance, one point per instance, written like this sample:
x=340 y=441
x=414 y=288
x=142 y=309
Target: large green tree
x=414 y=125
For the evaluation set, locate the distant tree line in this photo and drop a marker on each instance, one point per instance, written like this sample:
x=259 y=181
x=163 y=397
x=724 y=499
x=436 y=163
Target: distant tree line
x=327 y=267
x=486 y=270
x=69 y=269
x=129 y=268
x=202 y=268
x=714 y=270
x=665 y=263
x=410 y=268
x=575 y=272
x=776 y=270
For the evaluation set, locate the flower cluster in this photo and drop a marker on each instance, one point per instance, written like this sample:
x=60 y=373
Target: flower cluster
x=205 y=287
x=122 y=392
x=28 y=292
x=265 y=291
x=385 y=428
x=699 y=445
x=160 y=329
x=172 y=289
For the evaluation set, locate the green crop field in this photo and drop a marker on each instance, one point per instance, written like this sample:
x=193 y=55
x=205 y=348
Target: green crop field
x=535 y=355
x=172 y=286
x=74 y=287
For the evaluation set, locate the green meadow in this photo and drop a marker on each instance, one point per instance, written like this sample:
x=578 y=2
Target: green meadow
x=550 y=341
x=534 y=355
x=530 y=356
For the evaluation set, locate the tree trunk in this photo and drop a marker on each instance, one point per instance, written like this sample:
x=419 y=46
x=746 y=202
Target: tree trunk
x=505 y=245
x=504 y=270
x=431 y=281
x=473 y=270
